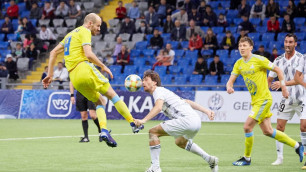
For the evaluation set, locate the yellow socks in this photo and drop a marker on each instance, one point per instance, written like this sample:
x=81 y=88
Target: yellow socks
x=100 y=110
x=284 y=138
x=122 y=108
x=249 y=139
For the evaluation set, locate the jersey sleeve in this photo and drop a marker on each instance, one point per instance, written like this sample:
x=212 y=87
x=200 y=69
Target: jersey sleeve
x=265 y=63
x=301 y=64
x=236 y=69
x=85 y=37
x=63 y=42
x=271 y=73
x=158 y=95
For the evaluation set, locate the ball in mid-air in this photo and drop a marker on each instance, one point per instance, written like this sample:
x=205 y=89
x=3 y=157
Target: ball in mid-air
x=133 y=83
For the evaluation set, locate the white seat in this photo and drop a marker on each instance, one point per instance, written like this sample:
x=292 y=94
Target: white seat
x=58 y=22
x=138 y=37
x=23 y=64
x=96 y=38
x=101 y=45
x=130 y=44
x=113 y=22
x=44 y=22
x=88 y=6
x=14 y=43
x=71 y=23
x=109 y=37
x=125 y=36
x=61 y=31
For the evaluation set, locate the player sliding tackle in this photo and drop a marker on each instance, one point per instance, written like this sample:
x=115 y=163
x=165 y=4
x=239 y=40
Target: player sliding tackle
x=254 y=68
x=183 y=126
x=85 y=77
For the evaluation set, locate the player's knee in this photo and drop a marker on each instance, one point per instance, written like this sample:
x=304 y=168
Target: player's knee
x=181 y=143
x=247 y=129
x=303 y=128
x=267 y=132
x=84 y=116
x=280 y=128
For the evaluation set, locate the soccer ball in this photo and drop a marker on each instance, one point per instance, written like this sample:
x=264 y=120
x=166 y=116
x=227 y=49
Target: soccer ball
x=133 y=83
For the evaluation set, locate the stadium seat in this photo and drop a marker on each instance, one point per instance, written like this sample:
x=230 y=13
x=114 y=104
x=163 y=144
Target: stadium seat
x=2 y=35
x=148 y=53
x=61 y=31
x=299 y=21
x=44 y=22
x=214 y=4
x=207 y=52
x=195 y=79
x=210 y=80
x=255 y=21
x=174 y=44
x=255 y=36
x=232 y=14
x=125 y=36
x=184 y=62
x=23 y=64
x=204 y=28
x=222 y=52
x=268 y=37
x=175 y=69
x=58 y=22
x=71 y=23
x=179 y=53
x=142 y=69
x=138 y=37
x=237 y=21
x=166 y=80
x=191 y=54
x=281 y=36
x=220 y=37
x=218 y=12
x=130 y=69
x=141 y=45
x=88 y=6
x=12 y=37
x=165 y=36
x=217 y=29
x=25 y=14
x=261 y=29
x=275 y=44
x=180 y=80
x=186 y=88
x=1 y=21
x=265 y=22
x=223 y=57
x=135 y=53
x=161 y=70
x=109 y=37
x=139 y=61
x=235 y=54
x=239 y=81
x=209 y=60
x=148 y=37
x=185 y=44
x=113 y=22
x=129 y=44
x=224 y=79
x=4 y=45
x=226 y=4
x=300 y=36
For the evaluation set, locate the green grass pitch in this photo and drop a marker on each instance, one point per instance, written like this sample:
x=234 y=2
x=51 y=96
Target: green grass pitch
x=53 y=145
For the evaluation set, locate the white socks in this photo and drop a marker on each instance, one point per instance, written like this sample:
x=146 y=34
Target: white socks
x=194 y=148
x=155 y=151
x=303 y=139
x=279 y=149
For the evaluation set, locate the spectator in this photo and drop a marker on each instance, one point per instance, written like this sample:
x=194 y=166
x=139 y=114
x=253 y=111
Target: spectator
x=273 y=26
x=181 y=16
x=222 y=20
x=152 y=18
x=246 y=25
x=168 y=25
x=128 y=27
x=75 y=11
x=210 y=41
x=62 y=10
x=193 y=29
x=134 y=11
x=39 y=44
x=216 y=67
x=45 y=73
x=120 y=11
x=28 y=27
x=123 y=58
x=194 y=15
x=46 y=34
x=117 y=47
x=228 y=42
x=258 y=10
x=261 y=51
x=3 y=71
x=159 y=58
x=19 y=28
x=188 y=5
x=103 y=29
x=48 y=12
x=205 y=22
x=301 y=8
x=163 y=10
x=202 y=8
x=11 y=66
x=244 y=9
x=12 y=10
x=156 y=42
x=108 y=61
x=195 y=43
x=56 y=3
x=288 y=24
x=60 y=74
x=171 y=53
x=272 y=9
x=242 y=33
x=143 y=28
x=18 y=52
x=179 y=32
x=234 y=4
x=200 y=67
x=274 y=55
x=32 y=54
x=27 y=41
x=210 y=16
x=29 y=3
x=291 y=9
x=35 y=12
x=7 y=27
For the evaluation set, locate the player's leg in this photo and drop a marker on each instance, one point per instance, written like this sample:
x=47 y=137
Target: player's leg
x=281 y=124
x=84 y=117
x=93 y=116
x=267 y=130
x=303 y=133
x=154 y=142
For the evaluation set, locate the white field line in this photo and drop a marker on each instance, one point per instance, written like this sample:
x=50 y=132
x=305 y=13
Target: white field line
x=123 y=134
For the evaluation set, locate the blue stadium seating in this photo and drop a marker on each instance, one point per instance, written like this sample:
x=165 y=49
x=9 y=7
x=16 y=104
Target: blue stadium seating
x=191 y=54
x=175 y=69
x=34 y=22
x=115 y=68
x=218 y=12
x=235 y=54
x=139 y=61
x=205 y=28
x=148 y=37
x=130 y=69
x=161 y=70
x=224 y=79
x=232 y=14
x=185 y=44
x=275 y=44
x=1 y=22
x=174 y=44
x=265 y=22
x=299 y=21
x=12 y=37
x=195 y=79
x=237 y=21
x=268 y=37
x=2 y=36
x=222 y=52
x=148 y=53
x=217 y=29
x=281 y=36
x=21 y=7
x=261 y=29
x=180 y=80
x=25 y=14
x=255 y=21
x=210 y=80
x=255 y=36
x=141 y=45
x=184 y=62
x=207 y=52
x=142 y=69
x=300 y=36
x=220 y=37
x=214 y=4
x=4 y=45
x=135 y=53
x=167 y=79
x=233 y=29
x=179 y=53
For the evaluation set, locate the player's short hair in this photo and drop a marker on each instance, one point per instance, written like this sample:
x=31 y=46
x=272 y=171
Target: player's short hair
x=246 y=39
x=153 y=75
x=90 y=17
x=292 y=35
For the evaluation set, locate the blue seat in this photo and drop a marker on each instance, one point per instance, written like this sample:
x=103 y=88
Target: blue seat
x=235 y=54
x=195 y=79
x=139 y=62
x=12 y=37
x=174 y=89
x=203 y=88
x=175 y=69
x=150 y=61
x=130 y=69
x=219 y=88
x=233 y=29
x=220 y=37
x=255 y=36
x=115 y=68
x=300 y=36
x=232 y=14
x=2 y=36
x=148 y=53
x=4 y=45
x=174 y=44
x=281 y=36
x=184 y=44
x=204 y=28
x=184 y=62
x=222 y=52
x=224 y=79
x=209 y=60
x=191 y=54
x=223 y=57
x=237 y=21
x=217 y=29
x=239 y=81
x=207 y=52
x=135 y=53
x=141 y=45
x=1 y=22
x=165 y=35
x=34 y=22
x=218 y=12
x=179 y=53
x=25 y=14
x=226 y=4
x=255 y=21
x=21 y=7
x=268 y=37
x=214 y=4
x=230 y=62
x=264 y=43
x=180 y=80
x=210 y=80
x=261 y=29
x=142 y=69
x=275 y=44
x=161 y=70
x=299 y=21
x=148 y=37
x=186 y=88
x=265 y=22
x=302 y=45
x=166 y=80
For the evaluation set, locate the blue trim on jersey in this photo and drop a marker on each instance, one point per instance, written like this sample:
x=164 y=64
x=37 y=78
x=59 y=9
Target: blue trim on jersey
x=274 y=133
x=249 y=134
x=115 y=99
x=100 y=106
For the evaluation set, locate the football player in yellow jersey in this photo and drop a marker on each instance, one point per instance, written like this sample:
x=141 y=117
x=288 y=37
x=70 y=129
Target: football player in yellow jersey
x=253 y=69
x=80 y=60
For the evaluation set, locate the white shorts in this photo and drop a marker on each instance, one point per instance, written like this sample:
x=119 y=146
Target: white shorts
x=287 y=112
x=187 y=127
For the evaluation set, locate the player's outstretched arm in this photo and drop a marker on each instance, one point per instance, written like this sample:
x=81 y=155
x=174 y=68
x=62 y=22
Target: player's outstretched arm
x=281 y=78
x=94 y=59
x=230 y=84
x=154 y=111
x=53 y=55
x=298 y=77
x=196 y=106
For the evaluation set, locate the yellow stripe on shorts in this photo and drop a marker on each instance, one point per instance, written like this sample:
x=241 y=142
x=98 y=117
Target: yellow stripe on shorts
x=262 y=107
x=99 y=75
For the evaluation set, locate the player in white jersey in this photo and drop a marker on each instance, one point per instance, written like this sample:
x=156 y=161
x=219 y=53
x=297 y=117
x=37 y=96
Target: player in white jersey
x=288 y=62
x=183 y=125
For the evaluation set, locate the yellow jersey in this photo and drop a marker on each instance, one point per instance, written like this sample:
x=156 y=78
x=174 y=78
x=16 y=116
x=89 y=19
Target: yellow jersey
x=73 y=46
x=254 y=73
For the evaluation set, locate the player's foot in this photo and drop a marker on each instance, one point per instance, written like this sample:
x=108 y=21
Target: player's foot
x=154 y=169
x=105 y=136
x=213 y=164
x=278 y=161
x=84 y=140
x=300 y=151
x=304 y=167
x=136 y=129
x=242 y=162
